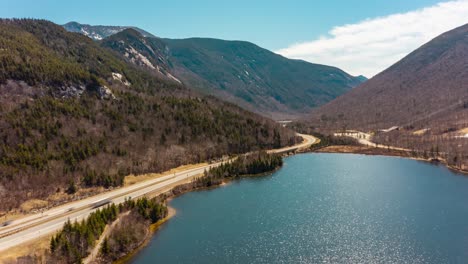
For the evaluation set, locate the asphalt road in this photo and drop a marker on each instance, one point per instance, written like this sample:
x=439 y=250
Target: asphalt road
x=367 y=141
x=41 y=224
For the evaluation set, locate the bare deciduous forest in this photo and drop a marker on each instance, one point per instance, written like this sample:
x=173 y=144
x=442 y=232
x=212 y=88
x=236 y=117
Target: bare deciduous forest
x=424 y=95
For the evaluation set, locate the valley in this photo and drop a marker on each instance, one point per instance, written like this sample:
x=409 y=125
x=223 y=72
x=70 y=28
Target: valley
x=234 y=132
x=236 y=71
x=65 y=118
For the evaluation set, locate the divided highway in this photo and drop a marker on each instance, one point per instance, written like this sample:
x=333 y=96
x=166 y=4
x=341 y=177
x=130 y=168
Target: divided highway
x=41 y=224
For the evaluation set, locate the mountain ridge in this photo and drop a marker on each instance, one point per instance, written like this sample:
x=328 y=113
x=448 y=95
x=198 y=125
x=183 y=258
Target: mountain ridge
x=427 y=79
x=99 y=32
x=419 y=103
x=258 y=76
x=276 y=87
x=77 y=114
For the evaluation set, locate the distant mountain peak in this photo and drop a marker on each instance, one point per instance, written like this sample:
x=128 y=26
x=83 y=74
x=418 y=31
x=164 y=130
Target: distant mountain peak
x=99 y=32
x=362 y=78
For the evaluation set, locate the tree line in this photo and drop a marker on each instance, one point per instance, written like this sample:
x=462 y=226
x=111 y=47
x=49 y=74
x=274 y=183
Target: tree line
x=251 y=164
x=75 y=240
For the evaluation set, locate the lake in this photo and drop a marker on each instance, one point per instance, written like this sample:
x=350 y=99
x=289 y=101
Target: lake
x=322 y=208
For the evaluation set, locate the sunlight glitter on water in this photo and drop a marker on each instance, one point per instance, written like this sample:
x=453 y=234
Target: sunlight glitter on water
x=322 y=208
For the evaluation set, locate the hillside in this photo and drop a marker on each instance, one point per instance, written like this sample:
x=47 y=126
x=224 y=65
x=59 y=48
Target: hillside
x=236 y=71
x=100 y=32
x=148 y=53
x=429 y=82
x=75 y=116
x=425 y=94
x=256 y=78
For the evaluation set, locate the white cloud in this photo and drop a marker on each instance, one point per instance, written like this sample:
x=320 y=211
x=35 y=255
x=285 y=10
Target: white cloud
x=372 y=45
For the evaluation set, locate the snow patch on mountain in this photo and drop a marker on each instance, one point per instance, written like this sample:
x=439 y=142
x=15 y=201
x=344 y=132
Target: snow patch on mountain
x=91 y=34
x=99 y=32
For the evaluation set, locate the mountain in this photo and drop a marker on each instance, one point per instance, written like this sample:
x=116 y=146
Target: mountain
x=148 y=53
x=419 y=103
x=100 y=32
x=75 y=113
x=362 y=78
x=255 y=78
x=425 y=88
x=236 y=71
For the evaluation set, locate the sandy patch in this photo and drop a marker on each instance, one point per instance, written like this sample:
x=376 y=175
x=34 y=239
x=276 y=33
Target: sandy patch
x=171 y=212
x=37 y=247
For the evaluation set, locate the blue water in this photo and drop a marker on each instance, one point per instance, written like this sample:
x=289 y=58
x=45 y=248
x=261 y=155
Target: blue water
x=323 y=208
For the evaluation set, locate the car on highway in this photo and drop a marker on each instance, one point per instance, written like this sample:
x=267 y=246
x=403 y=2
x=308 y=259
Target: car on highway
x=7 y=223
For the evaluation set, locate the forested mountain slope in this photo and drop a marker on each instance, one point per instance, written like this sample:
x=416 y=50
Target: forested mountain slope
x=74 y=114
x=423 y=99
x=237 y=71
x=148 y=53
x=256 y=78
x=427 y=85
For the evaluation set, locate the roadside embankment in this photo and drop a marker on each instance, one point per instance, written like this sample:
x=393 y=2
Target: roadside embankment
x=191 y=179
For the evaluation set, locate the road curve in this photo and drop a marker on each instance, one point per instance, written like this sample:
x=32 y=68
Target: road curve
x=308 y=141
x=366 y=141
x=35 y=226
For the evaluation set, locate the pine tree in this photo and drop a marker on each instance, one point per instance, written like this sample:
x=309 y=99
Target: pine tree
x=71 y=188
x=53 y=244
x=105 y=247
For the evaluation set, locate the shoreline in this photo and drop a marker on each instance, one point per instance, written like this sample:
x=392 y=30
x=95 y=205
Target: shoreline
x=371 y=151
x=173 y=191
x=168 y=197
x=152 y=229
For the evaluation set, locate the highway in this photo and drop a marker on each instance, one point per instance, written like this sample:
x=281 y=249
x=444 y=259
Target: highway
x=41 y=224
x=365 y=139
x=308 y=141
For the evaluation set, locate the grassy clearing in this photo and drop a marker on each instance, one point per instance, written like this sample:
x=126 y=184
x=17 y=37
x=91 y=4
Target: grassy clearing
x=36 y=247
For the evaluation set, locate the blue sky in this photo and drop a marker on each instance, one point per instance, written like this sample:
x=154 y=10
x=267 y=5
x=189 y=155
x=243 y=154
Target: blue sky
x=360 y=37
x=271 y=24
